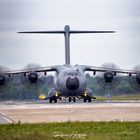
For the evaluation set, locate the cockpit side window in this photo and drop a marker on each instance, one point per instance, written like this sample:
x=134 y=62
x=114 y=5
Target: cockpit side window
x=72 y=74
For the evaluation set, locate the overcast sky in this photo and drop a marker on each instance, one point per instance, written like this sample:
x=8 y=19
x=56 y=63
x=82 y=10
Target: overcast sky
x=122 y=48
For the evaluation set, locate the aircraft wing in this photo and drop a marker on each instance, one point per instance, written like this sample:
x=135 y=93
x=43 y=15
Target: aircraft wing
x=24 y=71
x=101 y=69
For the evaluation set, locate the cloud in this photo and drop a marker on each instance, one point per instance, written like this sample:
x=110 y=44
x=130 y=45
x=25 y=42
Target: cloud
x=118 y=15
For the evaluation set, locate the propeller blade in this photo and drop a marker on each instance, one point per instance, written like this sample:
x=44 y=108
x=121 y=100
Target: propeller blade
x=109 y=79
x=33 y=80
x=134 y=80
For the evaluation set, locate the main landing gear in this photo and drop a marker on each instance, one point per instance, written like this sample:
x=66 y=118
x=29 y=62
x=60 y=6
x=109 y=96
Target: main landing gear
x=53 y=99
x=87 y=98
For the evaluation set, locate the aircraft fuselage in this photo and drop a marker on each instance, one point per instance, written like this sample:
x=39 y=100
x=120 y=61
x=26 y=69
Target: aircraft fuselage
x=70 y=81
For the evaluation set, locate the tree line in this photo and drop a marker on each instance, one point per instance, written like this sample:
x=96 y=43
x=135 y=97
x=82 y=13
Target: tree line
x=18 y=89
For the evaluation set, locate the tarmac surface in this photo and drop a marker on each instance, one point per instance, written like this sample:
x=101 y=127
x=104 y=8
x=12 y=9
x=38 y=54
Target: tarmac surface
x=41 y=111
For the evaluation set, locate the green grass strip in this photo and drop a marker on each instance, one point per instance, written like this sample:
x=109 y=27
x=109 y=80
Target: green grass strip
x=71 y=130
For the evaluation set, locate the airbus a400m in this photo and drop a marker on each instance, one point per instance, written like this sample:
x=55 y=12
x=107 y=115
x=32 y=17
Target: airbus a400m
x=70 y=80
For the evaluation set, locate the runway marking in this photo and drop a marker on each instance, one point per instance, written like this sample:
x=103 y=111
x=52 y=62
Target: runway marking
x=5 y=119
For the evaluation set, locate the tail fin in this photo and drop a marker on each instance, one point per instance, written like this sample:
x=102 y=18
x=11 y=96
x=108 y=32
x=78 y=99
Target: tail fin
x=66 y=33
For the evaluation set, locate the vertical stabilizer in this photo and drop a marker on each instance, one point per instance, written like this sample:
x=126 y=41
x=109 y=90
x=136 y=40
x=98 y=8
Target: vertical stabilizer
x=66 y=33
x=67 y=44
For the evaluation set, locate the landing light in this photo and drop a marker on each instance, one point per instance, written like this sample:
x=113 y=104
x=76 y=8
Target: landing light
x=85 y=94
x=56 y=94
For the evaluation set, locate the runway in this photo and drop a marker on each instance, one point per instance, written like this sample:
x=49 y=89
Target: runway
x=41 y=111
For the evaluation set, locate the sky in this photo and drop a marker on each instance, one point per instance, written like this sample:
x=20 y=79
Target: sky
x=121 y=48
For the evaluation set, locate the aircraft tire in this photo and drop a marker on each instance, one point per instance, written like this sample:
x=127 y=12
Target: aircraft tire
x=74 y=99
x=50 y=100
x=55 y=100
x=84 y=99
x=69 y=99
x=89 y=99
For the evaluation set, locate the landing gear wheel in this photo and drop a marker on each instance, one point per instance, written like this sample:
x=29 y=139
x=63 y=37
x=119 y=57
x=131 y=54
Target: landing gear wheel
x=50 y=100
x=84 y=99
x=89 y=99
x=74 y=99
x=55 y=100
x=69 y=99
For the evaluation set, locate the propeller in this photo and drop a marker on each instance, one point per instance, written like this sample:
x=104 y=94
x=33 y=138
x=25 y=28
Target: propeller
x=6 y=81
x=134 y=80
x=109 y=79
x=32 y=80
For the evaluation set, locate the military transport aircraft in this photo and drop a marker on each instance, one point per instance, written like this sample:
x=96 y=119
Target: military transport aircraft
x=70 y=80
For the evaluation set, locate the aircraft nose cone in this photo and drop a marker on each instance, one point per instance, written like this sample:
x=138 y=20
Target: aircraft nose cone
x=72 y=83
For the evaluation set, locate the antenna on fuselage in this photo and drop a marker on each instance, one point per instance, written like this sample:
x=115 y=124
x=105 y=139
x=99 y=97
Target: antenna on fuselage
x=66 y=33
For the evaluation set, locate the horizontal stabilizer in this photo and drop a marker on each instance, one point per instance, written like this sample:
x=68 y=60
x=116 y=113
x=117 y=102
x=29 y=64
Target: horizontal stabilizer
x=67 y=31
x=62 y=32
x=44 y=32
x=80 y=32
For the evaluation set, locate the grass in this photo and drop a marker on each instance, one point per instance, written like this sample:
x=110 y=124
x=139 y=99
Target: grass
x=130 y=97
x=72 y=130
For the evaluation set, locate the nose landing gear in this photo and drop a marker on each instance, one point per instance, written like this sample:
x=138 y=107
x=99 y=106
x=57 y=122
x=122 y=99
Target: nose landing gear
x=72 y=98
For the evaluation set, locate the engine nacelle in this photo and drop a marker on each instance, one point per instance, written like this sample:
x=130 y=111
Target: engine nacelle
x=2 y=80
x=108 y=76
x=32 y=76
x=138 y=78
